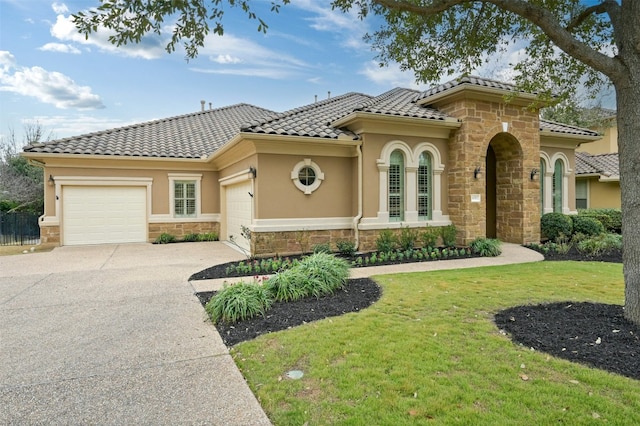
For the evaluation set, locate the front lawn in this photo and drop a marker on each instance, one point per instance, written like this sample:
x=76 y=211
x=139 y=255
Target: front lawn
x=429 y=352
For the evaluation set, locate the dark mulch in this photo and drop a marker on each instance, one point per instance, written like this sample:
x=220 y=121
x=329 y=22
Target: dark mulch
x=589 y=333
x=356 y=295
x=573 y=254
x=594 y=334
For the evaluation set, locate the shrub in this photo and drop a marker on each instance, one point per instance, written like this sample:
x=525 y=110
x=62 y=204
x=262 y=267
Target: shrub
x=600 y=244
x=208 y=236
x=554 y=224
x=165 y=238
x=287 y=285
x=324 y=273
x=191 y=238
x=408 y=238
x=611 y=219
x=486 y=247
x=238 y=302
x=587 y=225
x=322 y=248
x=386 y=241
x=430 y=238
x=448 y=234
x=346 y=247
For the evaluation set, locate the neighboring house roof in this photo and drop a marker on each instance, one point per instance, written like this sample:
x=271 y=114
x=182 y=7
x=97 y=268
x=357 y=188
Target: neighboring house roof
x=554 y=127
x=605 y=165
x=200 y=134
x=186 y=136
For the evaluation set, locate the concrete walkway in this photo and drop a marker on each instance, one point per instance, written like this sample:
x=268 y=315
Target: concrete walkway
x=113 y=334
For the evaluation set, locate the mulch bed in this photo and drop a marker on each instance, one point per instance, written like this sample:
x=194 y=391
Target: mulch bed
x=593 y=334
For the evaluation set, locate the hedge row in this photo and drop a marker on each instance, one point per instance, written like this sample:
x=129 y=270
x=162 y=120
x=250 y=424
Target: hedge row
x=588 y=222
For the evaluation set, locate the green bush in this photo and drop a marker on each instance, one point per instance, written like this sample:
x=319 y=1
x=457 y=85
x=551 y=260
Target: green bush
x=287 y=285
x=552 y=225
x=238 y=302
x=586 y=225
x=346 y=247
x=408 y=238
x=322 y=248
x=386 y=241
x=165 y=238
x=486 y=247
x=430 y=238
x=209 y=236
x=325 y=273
x=448 y=234
x=611 y=219
x=600 y=244
x=191 y=238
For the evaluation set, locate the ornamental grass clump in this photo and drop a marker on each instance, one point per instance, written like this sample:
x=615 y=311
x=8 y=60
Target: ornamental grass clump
x=239 y=302
x=325 y=274
x=287 y=285
x=486 y=247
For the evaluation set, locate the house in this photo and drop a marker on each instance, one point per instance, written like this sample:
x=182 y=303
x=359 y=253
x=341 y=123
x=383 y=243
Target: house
x=598 y=171
x=342 y=168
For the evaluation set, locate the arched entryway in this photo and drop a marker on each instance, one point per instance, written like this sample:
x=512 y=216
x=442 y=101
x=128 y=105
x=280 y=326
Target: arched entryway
x=504 y=189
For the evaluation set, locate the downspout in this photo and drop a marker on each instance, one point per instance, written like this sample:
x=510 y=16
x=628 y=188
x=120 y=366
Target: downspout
x=356 y=220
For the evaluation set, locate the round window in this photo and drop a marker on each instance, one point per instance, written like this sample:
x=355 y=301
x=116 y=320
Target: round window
x=307 y=176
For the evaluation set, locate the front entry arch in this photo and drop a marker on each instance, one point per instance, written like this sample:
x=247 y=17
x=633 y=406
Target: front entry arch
x=505 y=189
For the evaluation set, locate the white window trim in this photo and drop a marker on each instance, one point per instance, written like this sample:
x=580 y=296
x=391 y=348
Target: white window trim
x=185 y=177
x=307 y=189
x=565 y=181
x=548 y=184
x=412 y=162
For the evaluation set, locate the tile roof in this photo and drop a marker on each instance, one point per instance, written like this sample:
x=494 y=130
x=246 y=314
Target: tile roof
x=400 y=102
x=554 y=127
x=185 y=136
x=602 y=164
x=311 y=120
x=470 y=80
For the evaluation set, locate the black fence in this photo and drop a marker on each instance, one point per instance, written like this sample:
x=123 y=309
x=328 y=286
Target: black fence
x=19 y=228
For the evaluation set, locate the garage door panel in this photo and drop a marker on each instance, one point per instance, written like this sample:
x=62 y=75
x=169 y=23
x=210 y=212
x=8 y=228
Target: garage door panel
x=239 y=214
x=98 y=215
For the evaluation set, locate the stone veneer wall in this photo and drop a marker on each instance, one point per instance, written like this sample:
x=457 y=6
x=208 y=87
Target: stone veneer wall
x=295 y=242
x=517 y=196
x=180 y=229
x=50 y=235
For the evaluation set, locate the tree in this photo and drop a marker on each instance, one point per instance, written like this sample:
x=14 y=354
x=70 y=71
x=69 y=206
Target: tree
x=21 y=183
x=566 y=43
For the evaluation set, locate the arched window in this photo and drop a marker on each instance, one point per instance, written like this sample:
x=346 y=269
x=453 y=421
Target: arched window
x=396 y=186
x=424 y=187
x=543 y=173
x=558 y=176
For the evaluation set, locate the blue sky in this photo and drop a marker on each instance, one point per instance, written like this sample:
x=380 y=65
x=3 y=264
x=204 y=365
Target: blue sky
x=50 y=74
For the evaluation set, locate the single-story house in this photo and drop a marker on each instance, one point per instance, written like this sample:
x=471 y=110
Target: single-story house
x=470 y=152
x=598 y=170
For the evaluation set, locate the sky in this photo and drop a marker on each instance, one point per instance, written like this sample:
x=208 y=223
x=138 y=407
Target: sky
x=51 y=75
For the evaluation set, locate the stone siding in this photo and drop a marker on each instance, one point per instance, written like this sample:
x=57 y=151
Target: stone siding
x=50 y=235
x=180 y=229
x=295 y=242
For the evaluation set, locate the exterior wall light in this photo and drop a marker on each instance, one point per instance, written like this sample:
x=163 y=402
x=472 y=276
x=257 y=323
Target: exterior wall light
x=253 y=172
x=534 y=172
x=51 y=180
x=477 y=172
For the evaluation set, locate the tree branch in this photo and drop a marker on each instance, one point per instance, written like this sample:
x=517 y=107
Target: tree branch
x=597 y=9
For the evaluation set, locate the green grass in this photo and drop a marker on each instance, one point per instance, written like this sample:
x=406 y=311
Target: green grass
x=428 y=353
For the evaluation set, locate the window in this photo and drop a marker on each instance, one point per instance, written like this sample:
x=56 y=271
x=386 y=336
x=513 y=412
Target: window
x=307 y=176
x=581 y=194
x=424 y=187
x=558 y=176
x=396 y=187
x=184 y=198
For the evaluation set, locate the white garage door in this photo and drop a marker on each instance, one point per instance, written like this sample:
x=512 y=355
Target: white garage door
x=238 y=212
x=104 y=214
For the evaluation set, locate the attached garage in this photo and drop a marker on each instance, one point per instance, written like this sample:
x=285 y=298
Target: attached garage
x=104 y=214
x=238 y=212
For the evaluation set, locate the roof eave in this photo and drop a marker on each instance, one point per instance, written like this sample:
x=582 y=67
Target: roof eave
x=43 y=156
x=479 y=90
x=348 y=119
x=585 y=138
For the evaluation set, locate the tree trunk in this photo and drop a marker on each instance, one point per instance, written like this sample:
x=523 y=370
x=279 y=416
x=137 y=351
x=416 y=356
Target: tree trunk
x=628 y=115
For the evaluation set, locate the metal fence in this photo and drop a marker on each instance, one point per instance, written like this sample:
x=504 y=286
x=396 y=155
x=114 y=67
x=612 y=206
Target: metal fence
x=19 y=228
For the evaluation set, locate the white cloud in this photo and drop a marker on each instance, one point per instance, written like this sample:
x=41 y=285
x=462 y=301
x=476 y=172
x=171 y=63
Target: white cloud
x=149 y=47
x=390 y=76
x=226 y=59
x=60 y=48
x=60 y=8
x=47 y=86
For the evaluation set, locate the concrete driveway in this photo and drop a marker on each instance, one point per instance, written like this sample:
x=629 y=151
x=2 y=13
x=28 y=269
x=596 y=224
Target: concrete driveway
x=114 y=335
